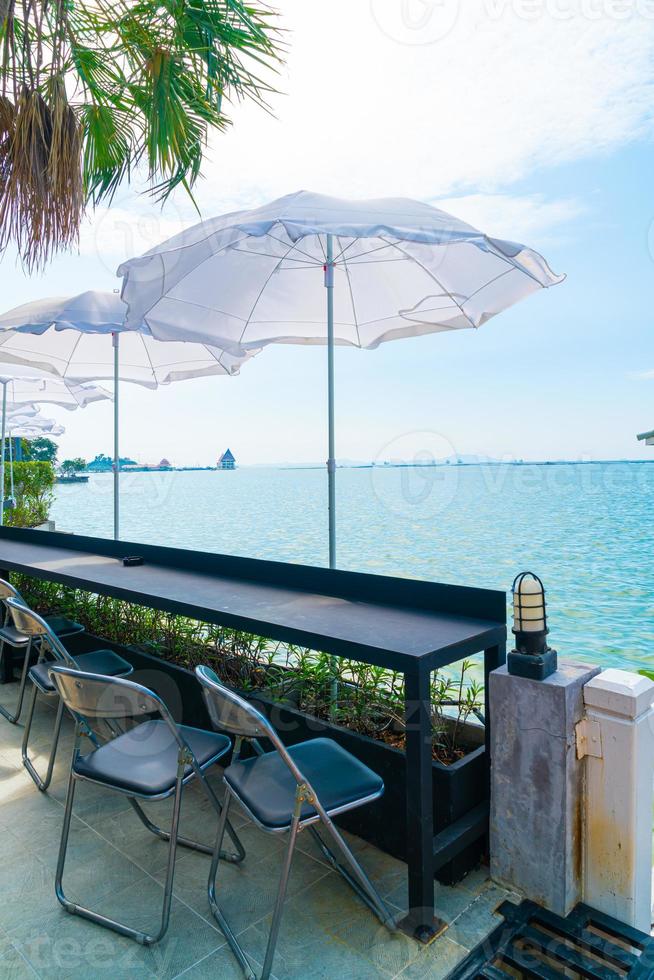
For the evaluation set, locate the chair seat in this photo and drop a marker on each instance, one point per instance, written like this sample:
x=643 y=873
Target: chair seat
x=104 y=662
x=15 y=638
x=62 y=626
x=267 y=788
x=143 y=760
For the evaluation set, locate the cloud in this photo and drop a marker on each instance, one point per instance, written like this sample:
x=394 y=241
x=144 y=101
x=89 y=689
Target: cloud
x=501 y=90
x=525 y=218
x=131 y=227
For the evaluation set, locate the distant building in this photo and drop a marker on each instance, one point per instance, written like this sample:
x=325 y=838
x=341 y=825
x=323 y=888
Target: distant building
x=165 y=465
x=647 y=438
x=227 y=461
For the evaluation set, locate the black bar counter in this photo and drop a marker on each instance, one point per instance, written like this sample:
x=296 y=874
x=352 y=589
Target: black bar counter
x=402 y=624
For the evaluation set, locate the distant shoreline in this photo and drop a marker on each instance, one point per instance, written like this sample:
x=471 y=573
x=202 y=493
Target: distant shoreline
x=375 y=466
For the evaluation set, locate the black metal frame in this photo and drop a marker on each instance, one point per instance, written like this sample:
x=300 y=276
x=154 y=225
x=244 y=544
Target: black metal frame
x=463 y=621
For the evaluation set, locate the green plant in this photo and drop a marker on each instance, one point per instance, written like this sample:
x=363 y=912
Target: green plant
x=647 y=673
x=371 y=699
x=42 y=449
x=71 y=467
x=92 y=89
x=33 y=493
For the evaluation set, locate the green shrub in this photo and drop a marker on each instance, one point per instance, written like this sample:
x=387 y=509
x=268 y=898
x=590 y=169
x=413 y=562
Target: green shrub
x=371 y=699
x=33 y=493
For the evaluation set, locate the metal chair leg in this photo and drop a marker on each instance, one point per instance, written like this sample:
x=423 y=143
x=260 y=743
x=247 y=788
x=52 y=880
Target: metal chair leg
x=63 y=846
x=281 y=894
x=279 y=901
x=120 y=927
x=186 y=841
x=41 y=784
x=358 y=880
x=215 y=802
x=23 y=682
x=211 y=892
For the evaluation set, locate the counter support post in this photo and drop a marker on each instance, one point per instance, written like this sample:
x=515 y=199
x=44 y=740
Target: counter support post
x=419 y=922
x=494 y=657
x=6 y=668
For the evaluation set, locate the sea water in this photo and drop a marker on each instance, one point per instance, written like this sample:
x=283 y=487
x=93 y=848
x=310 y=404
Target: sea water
x=586 y=529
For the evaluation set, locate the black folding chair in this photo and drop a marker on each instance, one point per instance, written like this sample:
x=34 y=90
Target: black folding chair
x=286 y=791
x=30 y=624
x=12 y=637
x=152 y=760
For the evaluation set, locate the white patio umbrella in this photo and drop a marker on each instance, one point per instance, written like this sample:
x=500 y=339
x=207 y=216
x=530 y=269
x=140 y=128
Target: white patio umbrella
x=30 y=427
x=391 y=267
x=67 y=336
x=27 y=426
x=22 y=384
x=24 y=411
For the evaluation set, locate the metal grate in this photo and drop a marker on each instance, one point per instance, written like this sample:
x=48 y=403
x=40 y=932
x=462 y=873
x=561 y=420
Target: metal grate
x=535 y=944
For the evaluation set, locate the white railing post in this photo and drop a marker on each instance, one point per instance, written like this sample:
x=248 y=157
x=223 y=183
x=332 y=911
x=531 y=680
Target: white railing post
x=617 y=738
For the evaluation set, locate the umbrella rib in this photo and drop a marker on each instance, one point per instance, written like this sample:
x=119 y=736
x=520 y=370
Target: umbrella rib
x=186 y=274
x=506 y=258
x=354 y=310
x=147 y=354
x=370 y=251
x=270 y=255
x=261 y=291
x=437 y=281
x=200 y=306
x=491 y=281
x=280 y=241
x=69 y=359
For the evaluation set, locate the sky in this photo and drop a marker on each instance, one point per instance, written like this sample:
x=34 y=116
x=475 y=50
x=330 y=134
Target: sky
x=531 y=119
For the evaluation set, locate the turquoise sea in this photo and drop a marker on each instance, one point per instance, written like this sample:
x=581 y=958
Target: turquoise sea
x=586 y=529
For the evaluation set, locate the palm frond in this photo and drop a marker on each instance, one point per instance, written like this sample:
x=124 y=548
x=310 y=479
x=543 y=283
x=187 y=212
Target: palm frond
x=90 y=90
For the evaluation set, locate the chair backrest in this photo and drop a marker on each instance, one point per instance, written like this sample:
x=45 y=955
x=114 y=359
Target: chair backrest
x=9 y=591
x=29 y=622
x=233 y=714
x=96 y=697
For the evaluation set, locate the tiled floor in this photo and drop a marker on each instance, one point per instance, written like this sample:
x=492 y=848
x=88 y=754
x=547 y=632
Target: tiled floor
x=117 y=867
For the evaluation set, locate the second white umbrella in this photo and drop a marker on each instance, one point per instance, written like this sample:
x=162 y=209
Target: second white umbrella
x=67 y=336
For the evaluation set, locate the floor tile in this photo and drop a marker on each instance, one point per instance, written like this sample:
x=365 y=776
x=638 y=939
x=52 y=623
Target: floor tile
x=221 y=965
x=479 y=918
x=434 y=962
x=246 y=892
x=189 y=939
x=66 y=946
x=327 y=932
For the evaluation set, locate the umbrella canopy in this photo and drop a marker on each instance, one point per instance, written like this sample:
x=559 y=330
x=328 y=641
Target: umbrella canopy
x=400 y=268
x=25 y=385
x=392 y=268
x=22 y=384
x=64 y=336
x=44 y=334
x=28 y=410
x=30 y=428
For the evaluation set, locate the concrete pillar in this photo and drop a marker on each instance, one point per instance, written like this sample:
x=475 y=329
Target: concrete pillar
x=537 y=784
x=618 y=738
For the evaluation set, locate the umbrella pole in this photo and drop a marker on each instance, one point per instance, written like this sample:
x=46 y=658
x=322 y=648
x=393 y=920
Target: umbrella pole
x=2 y=461
x=11 y=468
x=331 y=461
x=114 y=341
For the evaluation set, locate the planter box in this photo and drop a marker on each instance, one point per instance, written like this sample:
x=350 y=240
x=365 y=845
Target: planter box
x=457 y=789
